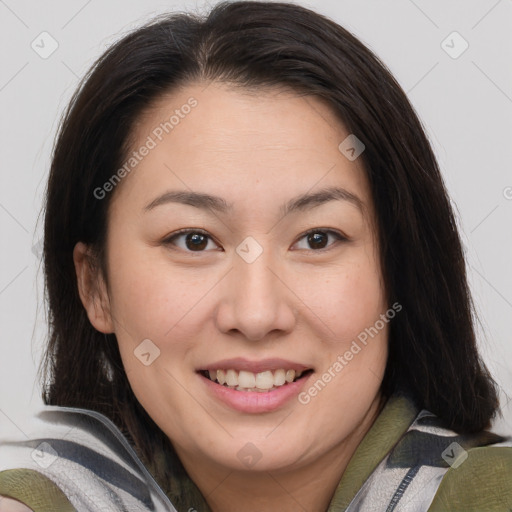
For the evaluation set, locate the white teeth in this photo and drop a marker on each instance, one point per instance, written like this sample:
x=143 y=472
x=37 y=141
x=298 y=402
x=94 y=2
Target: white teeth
x=231 y=378
x=265 y=380
x=249 y=381
x=246 y=380
x=279 y=377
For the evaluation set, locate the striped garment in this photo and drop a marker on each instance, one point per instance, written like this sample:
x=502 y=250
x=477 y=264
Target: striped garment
x=410 y=475
x=407 y=462
x=88 y=459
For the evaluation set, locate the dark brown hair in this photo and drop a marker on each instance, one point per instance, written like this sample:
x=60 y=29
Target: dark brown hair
x=433 y=355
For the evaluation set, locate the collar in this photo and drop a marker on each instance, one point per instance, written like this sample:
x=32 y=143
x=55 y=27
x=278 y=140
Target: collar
x=391 y=424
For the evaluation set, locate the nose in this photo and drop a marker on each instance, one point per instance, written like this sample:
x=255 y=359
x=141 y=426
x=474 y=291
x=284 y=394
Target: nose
x=256 y=299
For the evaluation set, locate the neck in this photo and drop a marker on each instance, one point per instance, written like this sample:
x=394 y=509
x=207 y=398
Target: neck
x=308 y=488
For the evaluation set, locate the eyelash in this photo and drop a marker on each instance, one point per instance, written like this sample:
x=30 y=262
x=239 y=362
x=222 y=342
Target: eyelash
x=340 y=237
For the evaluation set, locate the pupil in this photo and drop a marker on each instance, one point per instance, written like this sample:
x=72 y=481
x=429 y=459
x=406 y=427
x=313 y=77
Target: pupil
x=316 y=238
x=197 y=241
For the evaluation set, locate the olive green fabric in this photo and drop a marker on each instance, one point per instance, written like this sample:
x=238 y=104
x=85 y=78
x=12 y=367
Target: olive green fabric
x=482 y=482
x=34 y=490
x=393 y=421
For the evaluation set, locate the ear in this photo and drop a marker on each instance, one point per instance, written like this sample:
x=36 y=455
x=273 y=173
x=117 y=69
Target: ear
x=92 y=289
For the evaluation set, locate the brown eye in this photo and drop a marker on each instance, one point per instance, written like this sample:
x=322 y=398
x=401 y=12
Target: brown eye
x=194 y=240
x=318 y=239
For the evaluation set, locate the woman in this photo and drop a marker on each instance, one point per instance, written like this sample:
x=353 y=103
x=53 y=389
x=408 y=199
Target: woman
x=253 y=270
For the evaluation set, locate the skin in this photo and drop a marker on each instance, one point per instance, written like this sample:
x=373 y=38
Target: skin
x=10 y=505
x=296 y=301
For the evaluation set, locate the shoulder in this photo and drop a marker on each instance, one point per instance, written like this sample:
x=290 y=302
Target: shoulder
x=482 y=481
x=23 y=490
x=78 y=458
x=437 y=469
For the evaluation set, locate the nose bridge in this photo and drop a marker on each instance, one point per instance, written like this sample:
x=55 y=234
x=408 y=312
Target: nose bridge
x=256 y=301
x=256 y=283
x=255 y=280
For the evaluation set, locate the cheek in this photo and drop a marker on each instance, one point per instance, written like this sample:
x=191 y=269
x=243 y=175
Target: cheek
x=357 y=359
x=347 y=298
x=150 y=298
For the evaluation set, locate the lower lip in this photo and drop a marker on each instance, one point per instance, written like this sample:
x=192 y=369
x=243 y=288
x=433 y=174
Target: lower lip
x=255 y=401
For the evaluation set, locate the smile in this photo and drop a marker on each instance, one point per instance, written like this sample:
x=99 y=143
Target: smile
x=243 y=380
x=254 y=387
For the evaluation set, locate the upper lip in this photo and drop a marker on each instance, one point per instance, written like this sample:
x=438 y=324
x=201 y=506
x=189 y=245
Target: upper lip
x=240 y=363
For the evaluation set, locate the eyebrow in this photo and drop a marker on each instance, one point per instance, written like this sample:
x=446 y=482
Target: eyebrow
x=302 y=202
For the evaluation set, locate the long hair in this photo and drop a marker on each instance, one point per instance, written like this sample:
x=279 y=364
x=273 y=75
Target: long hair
x=433 y=354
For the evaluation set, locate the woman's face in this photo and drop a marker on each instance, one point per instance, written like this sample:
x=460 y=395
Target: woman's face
x=246 y=291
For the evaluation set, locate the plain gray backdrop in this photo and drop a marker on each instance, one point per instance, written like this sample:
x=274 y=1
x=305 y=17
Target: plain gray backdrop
x=453 y=58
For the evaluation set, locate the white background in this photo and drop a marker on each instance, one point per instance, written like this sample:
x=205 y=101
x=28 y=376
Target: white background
x=464 y=103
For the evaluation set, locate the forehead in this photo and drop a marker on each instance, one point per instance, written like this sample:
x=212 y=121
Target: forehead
x=223 y=139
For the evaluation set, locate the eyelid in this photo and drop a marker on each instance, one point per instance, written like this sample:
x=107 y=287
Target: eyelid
x=168 y=239
x=341 y=237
